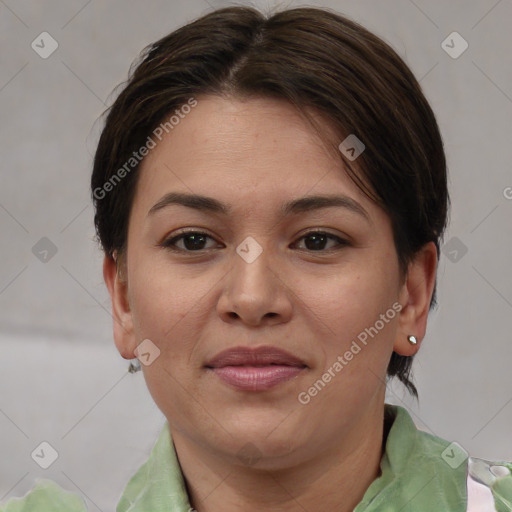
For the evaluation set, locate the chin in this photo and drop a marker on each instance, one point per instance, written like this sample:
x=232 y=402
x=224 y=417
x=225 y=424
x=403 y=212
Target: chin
x=262 y=445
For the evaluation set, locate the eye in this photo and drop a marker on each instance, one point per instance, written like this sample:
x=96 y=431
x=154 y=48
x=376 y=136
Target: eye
x=316 y=240
x=193 y=241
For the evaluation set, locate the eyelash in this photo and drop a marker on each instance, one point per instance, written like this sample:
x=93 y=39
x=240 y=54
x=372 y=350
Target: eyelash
x=169 y=243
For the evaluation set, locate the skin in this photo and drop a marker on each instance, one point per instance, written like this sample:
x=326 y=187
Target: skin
x=255 y=155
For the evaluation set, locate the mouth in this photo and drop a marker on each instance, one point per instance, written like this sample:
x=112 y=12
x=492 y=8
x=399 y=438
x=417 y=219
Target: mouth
x=255 y=369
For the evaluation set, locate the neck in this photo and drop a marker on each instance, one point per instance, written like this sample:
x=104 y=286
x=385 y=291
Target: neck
x=335 y=479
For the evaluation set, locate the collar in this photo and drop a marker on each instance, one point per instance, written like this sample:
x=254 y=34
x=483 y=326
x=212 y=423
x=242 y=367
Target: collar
x=420 y=472
x=417 y=474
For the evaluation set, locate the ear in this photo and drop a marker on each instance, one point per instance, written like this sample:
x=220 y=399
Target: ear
x=415 y=295
x=123 y=324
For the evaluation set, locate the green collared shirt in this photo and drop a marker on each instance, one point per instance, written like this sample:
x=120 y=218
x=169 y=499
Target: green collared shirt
x=419 y=473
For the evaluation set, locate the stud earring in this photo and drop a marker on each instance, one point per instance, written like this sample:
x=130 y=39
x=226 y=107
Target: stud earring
x=412 y=339
x=134 y=366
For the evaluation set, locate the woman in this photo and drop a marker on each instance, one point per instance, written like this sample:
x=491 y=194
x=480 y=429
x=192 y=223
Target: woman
x=270 y=197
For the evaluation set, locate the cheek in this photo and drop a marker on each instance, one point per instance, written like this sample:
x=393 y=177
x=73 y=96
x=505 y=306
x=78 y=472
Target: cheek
x=164 y=297
x=349 y=302
x=362 y=327
x=169 y=308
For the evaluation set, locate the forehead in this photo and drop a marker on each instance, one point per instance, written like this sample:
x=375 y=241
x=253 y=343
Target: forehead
x=254 y=150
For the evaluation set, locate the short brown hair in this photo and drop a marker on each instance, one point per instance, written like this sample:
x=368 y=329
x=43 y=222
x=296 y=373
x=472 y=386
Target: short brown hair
x=311 y=58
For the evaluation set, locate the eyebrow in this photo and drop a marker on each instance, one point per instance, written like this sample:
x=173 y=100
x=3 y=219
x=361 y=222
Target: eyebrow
x=293 y=207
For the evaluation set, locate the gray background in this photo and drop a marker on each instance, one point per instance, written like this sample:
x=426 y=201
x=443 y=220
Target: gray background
x=62 y=380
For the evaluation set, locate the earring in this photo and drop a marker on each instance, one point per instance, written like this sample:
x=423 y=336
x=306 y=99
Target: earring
x=412 y=339
x=134 y=366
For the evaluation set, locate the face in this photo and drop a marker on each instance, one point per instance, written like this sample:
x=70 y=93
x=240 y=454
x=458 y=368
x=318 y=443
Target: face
x=310 y=280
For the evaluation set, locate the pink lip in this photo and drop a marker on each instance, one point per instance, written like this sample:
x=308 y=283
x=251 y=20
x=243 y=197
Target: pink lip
x=255 y=369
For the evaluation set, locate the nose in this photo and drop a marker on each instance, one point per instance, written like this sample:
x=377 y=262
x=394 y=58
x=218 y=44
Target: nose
x=255 y=292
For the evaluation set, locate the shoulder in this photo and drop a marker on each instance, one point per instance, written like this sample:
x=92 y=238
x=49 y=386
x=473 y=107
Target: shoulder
x=46 y=496
x=467 y=483
x=488 y=483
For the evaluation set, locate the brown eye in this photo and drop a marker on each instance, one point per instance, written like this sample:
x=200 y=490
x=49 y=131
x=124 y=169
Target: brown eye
x=317 y=240
x=193 y=241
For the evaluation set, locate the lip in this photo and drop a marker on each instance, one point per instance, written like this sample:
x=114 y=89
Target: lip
x=255 y=369
x=254 y=356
